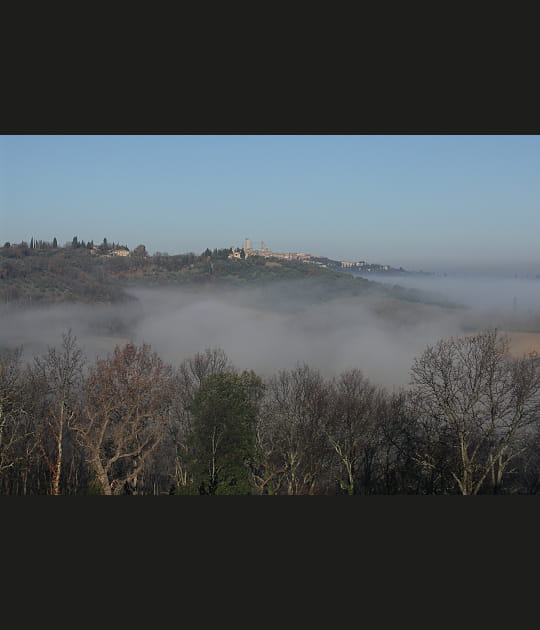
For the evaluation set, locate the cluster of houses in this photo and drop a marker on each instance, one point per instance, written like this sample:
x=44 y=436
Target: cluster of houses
x=122 y=250
x=247 y=251
x=321 y=261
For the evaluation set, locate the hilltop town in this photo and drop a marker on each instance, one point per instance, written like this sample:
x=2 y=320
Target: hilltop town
x=111 y=250
x=357 y=267
x=44 y=272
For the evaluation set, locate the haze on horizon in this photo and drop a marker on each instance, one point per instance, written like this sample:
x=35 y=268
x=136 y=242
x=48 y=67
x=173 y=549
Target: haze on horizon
x=430 y=202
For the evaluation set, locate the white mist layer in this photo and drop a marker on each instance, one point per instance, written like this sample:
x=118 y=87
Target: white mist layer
x=272 y=329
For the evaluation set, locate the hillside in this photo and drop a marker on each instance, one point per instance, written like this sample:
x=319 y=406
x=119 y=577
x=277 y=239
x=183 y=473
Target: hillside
x=78 y=274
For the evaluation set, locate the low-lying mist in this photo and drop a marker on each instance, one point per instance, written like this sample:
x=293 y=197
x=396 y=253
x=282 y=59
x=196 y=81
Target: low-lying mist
x=490 y=299
x=274 y=328
x=478 y=291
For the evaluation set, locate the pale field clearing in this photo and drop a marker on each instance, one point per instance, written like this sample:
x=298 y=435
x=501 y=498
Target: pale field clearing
x=523 y=342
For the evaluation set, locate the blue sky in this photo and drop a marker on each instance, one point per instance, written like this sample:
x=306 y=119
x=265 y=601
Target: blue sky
x=419 y=201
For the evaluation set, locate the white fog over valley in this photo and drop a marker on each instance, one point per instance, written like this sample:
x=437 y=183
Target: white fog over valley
x=270 y=329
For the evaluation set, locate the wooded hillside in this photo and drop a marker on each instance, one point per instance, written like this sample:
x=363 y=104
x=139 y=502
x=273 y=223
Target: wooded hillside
x=79 y=274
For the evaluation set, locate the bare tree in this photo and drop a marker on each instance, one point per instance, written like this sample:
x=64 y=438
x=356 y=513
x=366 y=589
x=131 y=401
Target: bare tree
x=126 y=404
x=292 y=438
x=59 y=374
x=203 y=364
x=399 y=443
x=527 y=473
x=414 y=451
x=352 y=428
x=11 y=408
x=481 y=400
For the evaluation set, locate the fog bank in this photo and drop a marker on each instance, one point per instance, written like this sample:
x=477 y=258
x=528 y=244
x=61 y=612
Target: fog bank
x=496 y=293
x=275 y=328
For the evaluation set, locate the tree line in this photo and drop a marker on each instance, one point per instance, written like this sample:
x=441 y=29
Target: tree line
x=37 y=244
x=468 y=423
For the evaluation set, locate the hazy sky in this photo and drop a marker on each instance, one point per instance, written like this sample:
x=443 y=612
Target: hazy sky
x=419 y=201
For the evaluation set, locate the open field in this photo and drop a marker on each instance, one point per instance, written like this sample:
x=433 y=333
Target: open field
x=523 y=342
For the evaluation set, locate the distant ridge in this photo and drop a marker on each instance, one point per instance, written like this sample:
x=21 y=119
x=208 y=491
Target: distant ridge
x=45 y=275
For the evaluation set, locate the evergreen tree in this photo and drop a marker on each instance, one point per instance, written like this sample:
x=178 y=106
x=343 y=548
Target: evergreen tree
x=140 y=250
x=222 y=441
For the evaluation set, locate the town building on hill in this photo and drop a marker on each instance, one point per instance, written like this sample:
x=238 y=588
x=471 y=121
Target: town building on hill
x=359 y=266
x=265 y=252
